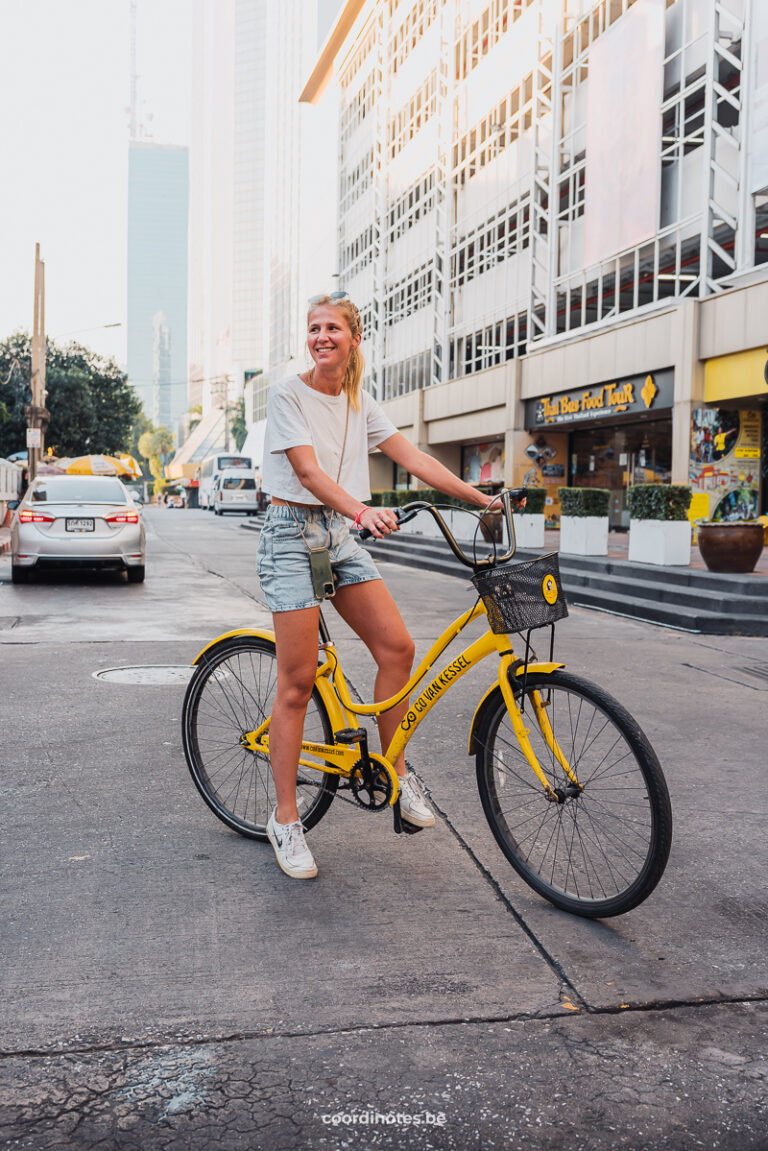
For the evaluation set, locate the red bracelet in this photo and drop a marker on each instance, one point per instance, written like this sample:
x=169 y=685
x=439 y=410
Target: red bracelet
x=357 y=518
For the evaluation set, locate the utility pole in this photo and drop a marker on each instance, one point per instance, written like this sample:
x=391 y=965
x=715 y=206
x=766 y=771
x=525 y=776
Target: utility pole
x=38 y=416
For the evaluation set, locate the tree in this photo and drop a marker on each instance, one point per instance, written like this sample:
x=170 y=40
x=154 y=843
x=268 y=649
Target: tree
x=196 y=414
x=92 y=405
x=238 y=425
x=15 y=374
x=156 y=446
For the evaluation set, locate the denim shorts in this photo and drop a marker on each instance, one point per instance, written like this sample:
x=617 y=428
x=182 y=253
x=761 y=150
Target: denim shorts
x=282 y=558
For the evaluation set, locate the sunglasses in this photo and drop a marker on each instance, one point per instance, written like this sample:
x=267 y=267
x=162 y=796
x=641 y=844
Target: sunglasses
x=334 y=297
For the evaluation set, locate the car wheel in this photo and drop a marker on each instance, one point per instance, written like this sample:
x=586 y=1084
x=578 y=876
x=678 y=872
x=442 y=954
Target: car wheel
x=136 y=574
x=20 y=574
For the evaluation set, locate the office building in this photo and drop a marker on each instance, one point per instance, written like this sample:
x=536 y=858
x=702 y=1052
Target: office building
x=553 y=215
x=157 y=278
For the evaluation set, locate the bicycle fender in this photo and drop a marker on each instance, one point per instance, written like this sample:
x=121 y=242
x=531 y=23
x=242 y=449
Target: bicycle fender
x=487 y=700
x=261 y=632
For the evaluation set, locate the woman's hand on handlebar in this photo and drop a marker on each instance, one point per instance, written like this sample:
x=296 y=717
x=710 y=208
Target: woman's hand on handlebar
x=380 y=522
x=517 y=497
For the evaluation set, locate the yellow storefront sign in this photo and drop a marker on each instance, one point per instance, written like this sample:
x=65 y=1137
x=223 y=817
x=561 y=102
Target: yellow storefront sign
x=736 y=376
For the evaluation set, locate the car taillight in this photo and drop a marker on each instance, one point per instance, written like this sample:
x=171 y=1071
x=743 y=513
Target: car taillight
x=27 y=517
x=123 y=518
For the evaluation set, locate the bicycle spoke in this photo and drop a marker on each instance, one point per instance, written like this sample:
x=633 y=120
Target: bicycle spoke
x=233 y=694
x=589 y=847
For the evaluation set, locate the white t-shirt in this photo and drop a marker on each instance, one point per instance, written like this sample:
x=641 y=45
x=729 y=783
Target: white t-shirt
x=299 y=415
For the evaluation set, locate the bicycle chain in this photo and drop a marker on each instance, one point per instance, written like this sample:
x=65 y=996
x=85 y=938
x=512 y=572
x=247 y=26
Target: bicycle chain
x=347 y=785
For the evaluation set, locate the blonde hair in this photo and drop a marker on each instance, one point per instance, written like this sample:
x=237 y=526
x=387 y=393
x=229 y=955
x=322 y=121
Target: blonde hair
x=353 y=373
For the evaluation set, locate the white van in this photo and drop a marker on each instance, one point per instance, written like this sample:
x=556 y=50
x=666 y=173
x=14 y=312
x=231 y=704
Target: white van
x=210 y=469
x=237 y=490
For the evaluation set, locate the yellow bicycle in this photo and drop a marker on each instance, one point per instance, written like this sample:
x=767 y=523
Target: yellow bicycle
x=570 y=786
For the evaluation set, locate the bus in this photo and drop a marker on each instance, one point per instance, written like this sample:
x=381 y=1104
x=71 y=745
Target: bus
x=209 y=473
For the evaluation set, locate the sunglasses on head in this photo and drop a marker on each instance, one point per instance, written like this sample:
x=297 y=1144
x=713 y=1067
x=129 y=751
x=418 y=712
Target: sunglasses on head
x=334 y=297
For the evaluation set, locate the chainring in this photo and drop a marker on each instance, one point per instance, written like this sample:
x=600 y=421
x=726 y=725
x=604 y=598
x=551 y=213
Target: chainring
x=370 y=785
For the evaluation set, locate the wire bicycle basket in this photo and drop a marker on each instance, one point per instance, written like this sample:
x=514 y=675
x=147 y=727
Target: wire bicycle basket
x=522 y=596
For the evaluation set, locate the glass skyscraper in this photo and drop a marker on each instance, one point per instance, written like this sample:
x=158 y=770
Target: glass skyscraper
x=158 y=190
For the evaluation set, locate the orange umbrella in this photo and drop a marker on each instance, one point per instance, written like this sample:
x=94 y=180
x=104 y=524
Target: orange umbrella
x=132 y=464
x=97 y=466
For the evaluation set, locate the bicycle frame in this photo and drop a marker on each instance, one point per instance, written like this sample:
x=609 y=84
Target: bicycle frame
x=339 y=759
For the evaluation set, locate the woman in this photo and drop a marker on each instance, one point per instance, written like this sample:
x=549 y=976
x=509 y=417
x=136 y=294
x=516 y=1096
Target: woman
x=321 y=425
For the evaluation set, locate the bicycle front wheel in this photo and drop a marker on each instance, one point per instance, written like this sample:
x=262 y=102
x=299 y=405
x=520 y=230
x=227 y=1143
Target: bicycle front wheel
x=231 y=693
x=602 y=849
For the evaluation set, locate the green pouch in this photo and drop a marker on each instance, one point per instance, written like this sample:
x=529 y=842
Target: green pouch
x=322 y=573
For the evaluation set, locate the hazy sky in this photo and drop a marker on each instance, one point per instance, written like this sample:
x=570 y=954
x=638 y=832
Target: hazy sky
x=64 y=95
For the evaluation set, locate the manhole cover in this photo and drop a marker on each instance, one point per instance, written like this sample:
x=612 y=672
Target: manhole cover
x=147 y=675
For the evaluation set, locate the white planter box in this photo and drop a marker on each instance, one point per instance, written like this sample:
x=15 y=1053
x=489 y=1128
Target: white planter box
x=666 y=542
x=529 y=531
x=584 y=535
x=462 y=524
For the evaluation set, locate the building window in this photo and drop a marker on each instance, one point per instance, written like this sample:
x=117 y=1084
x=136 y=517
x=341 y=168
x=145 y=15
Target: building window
x=407 y=375
x=496 y=132
x=354 y=182
x=761 y=229
x=482 y=34
x=409 y=295
x=489 y=346
x=356 y=255
x=413 y=27
x=413 y=115
x=493 y=241
x=415 y=203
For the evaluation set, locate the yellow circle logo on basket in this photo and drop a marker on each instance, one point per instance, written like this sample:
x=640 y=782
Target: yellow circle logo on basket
x=549 y=588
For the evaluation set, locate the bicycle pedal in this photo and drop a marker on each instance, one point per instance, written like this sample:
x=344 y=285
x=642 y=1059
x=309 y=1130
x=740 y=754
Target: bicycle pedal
x=402 y=827
x=351 y=735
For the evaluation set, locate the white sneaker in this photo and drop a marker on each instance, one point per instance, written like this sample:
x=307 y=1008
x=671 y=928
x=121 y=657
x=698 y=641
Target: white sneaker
x=291 y=849
x=413 y=803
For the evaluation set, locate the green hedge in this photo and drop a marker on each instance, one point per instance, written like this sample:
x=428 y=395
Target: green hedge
x=389 y=498
x=535 y=502
x=659 y=501
x=582 y=502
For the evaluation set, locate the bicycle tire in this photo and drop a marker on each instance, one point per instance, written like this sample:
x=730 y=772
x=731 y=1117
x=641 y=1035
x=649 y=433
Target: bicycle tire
x=231 y=692
x=599 y=853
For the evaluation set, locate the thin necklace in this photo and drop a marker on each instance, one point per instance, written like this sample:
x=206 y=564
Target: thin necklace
x=313 y=385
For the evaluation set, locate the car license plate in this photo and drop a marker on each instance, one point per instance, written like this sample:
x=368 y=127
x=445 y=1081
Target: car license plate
x=240 y=499
x=80 y=525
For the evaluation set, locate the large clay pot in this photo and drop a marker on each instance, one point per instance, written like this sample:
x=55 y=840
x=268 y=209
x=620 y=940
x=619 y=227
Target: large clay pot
x=732 y=547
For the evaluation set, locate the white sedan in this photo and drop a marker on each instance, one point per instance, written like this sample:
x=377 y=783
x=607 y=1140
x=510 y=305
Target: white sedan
x=77 y=522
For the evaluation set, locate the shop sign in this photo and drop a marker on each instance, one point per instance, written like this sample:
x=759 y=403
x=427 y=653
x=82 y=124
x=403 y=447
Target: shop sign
x=736 y=376
x=619 y=397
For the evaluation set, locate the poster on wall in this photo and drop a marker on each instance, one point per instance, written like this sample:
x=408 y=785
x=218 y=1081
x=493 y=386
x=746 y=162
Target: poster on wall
x=483 y=463
x=543 y=465
x=725 y=461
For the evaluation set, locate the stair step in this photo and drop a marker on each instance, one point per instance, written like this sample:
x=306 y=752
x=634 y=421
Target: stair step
x=687 y=599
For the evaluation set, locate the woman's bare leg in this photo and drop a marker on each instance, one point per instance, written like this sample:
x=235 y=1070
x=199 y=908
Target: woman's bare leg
x=296 y=636
x=371 y=612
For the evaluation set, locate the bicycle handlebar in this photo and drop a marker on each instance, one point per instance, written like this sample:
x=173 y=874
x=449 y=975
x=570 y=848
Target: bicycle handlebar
x=409 y=511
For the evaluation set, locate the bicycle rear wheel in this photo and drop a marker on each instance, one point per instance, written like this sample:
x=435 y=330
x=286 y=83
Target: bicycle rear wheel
x=230 y=693
x=602 y=850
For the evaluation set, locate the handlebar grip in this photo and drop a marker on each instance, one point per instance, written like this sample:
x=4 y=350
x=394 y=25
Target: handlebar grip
x=366 y=534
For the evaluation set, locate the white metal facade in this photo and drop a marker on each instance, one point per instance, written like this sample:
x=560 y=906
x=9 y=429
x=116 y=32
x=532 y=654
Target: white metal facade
x=464 y=176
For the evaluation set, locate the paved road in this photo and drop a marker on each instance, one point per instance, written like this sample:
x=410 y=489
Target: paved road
x=164 y=986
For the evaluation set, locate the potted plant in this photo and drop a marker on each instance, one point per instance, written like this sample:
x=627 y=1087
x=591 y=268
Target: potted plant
x=659 y=528
x=529 y=523
x=730 y=545
x=584 y=521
